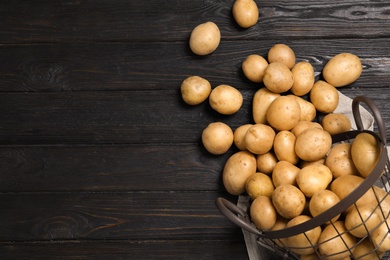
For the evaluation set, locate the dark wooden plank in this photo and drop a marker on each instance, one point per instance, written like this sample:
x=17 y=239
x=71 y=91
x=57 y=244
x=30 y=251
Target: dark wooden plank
x=120 y=20
x=132 y=215
x=148 y=249
x=164 y=65
x=183 y=167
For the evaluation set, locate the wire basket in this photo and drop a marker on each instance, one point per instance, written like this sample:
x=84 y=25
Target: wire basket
x=377 y=183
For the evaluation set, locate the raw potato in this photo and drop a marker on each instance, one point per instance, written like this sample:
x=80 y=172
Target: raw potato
x=339 y=160
x=205 y=38
x=381 y=237
x=282 y=53
x=280 y=223
x=366 y=251
x=259 y=184
x=308 y=110
x=336 y=123
x=313 y=178
x=237 y=170
x=284 y=113
x=284 y=147
x=284 y=173
x=342 y=69
x=363 y=219
x=217 y=138
x=278 y=78
x=303 y=74
x=365 y=152
x=324 y=97
x=259 y=138
x=225 y=99
x=321 y=201
x=331 y=243
x=245 y=12
x=263 y=213
x=303 y=125
x=288 y=200
x=195 y=90
x=239 y=135
x=266 y=162
x=261 y=102
x=302 y=243
x=304 y=164
x=254 y=67
x=313 y=144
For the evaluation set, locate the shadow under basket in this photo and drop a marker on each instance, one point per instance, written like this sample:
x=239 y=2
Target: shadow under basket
x=376 y=239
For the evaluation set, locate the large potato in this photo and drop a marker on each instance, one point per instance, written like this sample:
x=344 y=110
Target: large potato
x=217 y=138
x=225 y=99
x=361 y=220
x=313 y=178
x=205 y=38
x=263 y=213
x=303 y=74
x=282 y=53
x=313 y=144
x=288 y=200
x=365 y=152
x=278 y=77
x=259 y=138
x=324 y=97
x=342 y=69
x=254 y=67
x=339 y=160
x=195 y=90
x=261 y=102
x=284 y=113
x=238 y=168
x=284 y=147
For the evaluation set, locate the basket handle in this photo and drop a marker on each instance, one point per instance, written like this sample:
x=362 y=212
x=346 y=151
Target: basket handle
x=376 y=112
x=236 y=215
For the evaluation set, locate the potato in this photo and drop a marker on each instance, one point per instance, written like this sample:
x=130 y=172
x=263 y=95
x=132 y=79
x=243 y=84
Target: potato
x=284 y=172
x=321 y=201
x=331 y=243
x=282 y=53
x=336 y=123
x=261 y=102
x=259 y=138
x=284 y=147
x=303 y=164
x=313 y=178
x=195 y=90
x=278 y=77
x=288 y=200
x=205 y=38
x=303 y=74
x=365 y=250
x=245 y=13
x=308 y=110
x=303 y=125
x=362 y=220
x=365 y=152
x=280 y=223
x=225 y=99
x=266 y=162
x=239 y=135
x=259 y=184
x=217 y=138
x=313 y=144
x=342 y=69
x=254 y=67
x=263 y=213
x=324 y=97
x=381 y=237
x=283 y=113
x=237 y=170
x=339 y=160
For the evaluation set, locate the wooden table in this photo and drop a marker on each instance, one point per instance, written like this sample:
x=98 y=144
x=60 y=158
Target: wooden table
x=99 y=156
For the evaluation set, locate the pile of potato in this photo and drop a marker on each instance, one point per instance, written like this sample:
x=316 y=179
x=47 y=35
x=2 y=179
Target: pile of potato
x=286 y=161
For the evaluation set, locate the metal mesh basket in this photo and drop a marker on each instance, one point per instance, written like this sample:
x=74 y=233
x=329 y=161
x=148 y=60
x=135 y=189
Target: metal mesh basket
x=377 y=183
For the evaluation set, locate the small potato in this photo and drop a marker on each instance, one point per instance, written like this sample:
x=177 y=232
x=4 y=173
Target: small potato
x=254 y=67
x=303 y=74
x=259 y=138
x=195 y=90
x=261 y=102
x=342 y=69
x=245 y=13
x=313 y=179
x=308 y=110
x=288 y=200
x=339 y=160
x=313 y=144
x=217 y=138
x=263 y=213
x=284 y=173
x=363 y=219
x=259 y=184
x=336 y=123
x=239 y=136
x=266 y=162
x=225 y=99
x=303 y=125
x=205 y=38
x=282 y=53
x=365 y=152
x=284 y=147
x=284 y=113
x=321 y=201
x=278 y=77
x=324 y=97
x=237 y=170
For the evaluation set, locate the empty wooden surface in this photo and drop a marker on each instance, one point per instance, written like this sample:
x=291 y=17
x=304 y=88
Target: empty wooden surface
x=99 y=156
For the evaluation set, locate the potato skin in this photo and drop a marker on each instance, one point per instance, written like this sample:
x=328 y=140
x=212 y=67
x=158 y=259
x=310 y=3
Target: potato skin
x=313 y=144
x=342 y=69
x=217 y=138
x=284 y=147
x=259 y=138
x=195 y=90
x=239 y=136
x=282 y=53
x=313 y=178
x=284 y=113
x=303 y=74
x=261 y=102
x=336 y=123
x=278 y=77
x=254 y=67
x=365 y=152
x=263 y=213
x=324 y=97
x=245 y=13
x=205 y=38
x=339 y=160
x=288 y=200
x=225 y=99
